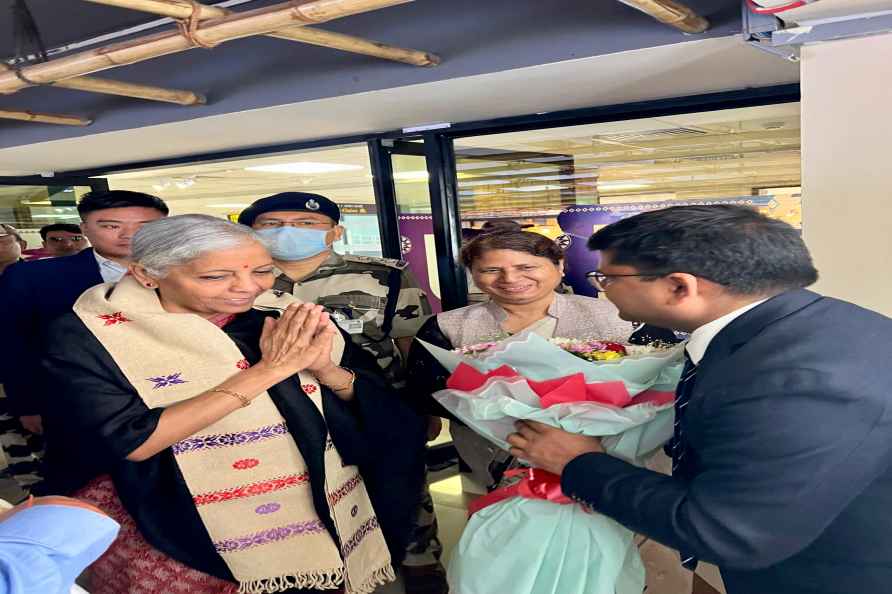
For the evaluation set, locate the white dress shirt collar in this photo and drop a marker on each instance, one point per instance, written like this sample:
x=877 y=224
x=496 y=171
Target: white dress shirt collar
x=110 y=270
x=702 y=336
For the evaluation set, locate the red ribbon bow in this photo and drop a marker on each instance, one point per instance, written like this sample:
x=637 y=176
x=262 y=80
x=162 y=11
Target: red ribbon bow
x=535 y=484
x=561 y=390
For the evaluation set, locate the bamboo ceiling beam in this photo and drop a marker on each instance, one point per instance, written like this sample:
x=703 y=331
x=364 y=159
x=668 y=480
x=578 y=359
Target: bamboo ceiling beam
x=43 y=118
x=179 y=10
x=114 y=87
x=236 y=26
x=672 y=13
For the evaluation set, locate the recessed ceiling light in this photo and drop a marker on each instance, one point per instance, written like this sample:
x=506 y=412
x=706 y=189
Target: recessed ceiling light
x=304 y=167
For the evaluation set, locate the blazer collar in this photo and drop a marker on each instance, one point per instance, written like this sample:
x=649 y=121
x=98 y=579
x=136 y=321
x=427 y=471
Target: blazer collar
x=85 y=255
x=744 y=328
x=87 y=259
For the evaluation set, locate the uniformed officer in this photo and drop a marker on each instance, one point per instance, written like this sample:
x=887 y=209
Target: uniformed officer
x=377 y=301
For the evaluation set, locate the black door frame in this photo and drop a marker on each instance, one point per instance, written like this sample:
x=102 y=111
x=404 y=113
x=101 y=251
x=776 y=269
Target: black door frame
x=380 y=160
x=439 y=153
x=440 y=163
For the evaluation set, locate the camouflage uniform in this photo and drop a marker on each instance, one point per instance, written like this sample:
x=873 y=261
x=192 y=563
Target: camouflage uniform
x=376 y=300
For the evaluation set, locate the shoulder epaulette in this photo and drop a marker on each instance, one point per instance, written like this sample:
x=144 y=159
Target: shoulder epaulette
x=390 y=262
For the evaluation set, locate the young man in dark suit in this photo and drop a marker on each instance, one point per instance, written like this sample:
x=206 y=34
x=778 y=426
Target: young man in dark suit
x=34 y=293
x=782 y=455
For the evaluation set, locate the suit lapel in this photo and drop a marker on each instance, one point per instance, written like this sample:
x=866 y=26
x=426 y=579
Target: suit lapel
x=744 y=328
x=89 y=268
x=81 y=273
x=725 y=343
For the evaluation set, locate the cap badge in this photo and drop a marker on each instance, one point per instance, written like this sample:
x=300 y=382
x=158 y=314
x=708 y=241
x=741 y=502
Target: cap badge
x=311 y=204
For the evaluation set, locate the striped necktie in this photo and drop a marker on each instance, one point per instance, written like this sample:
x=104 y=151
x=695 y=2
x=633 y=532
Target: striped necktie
x=679 y=447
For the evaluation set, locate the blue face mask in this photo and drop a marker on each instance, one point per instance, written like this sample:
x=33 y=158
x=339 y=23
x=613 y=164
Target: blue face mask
x=291 y=244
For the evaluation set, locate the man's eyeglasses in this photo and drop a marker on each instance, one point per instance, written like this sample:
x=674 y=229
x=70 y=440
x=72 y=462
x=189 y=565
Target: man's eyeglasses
x=69 y=238
x=601 y=280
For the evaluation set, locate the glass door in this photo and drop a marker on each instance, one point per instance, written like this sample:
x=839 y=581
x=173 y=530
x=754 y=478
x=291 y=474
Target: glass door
x=567 y=182
x=418 y=214
x=28 y=204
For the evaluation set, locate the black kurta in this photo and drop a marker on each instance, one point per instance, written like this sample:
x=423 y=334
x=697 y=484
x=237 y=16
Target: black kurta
x=96 y=419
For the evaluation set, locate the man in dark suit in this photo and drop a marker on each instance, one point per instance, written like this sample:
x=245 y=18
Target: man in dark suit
x=782 y=451
x=34 y=293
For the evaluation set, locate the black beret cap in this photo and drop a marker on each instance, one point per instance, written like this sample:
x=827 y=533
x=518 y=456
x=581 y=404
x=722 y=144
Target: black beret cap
x=290 y=201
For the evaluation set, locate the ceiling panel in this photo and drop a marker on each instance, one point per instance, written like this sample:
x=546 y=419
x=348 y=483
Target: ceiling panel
x=667 y=71
x=472 y=37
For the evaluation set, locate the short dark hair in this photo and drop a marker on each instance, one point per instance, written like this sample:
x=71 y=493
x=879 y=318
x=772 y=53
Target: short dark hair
x=46 y=229
x=103 y=199
x=508 y=235
x=10 y=230
x=737 y=247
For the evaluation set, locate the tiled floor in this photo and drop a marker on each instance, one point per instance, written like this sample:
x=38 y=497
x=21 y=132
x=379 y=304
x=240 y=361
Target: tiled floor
x=450 y=502
x=451 y=506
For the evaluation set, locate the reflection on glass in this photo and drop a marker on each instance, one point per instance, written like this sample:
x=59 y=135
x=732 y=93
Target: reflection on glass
x=28 y=208
x=416 y=226
x=225 y=188
x=597 y=173
x=719 y=154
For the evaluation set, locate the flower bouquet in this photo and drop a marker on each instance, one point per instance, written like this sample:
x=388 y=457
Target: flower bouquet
x=528 y=538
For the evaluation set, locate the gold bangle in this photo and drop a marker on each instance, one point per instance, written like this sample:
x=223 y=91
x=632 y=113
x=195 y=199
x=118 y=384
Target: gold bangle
x=346 y=386
x=241 y=397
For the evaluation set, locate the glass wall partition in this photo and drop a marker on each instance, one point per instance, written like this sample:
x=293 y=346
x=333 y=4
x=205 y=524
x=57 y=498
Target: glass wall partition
x=415 y=221
x=569 y=181
x=28 y=207
x=564 y=182
x=225 y=188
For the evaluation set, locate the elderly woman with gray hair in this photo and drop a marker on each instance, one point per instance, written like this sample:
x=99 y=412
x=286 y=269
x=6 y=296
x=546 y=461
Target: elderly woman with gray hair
x=239 y=440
